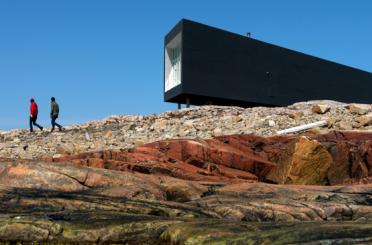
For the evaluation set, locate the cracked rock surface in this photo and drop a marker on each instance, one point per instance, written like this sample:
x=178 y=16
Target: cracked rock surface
x=321 y=159
x=85 y=212
x=207 y=175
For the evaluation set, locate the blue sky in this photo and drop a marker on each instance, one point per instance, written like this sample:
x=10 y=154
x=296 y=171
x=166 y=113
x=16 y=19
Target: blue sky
x=105 y=57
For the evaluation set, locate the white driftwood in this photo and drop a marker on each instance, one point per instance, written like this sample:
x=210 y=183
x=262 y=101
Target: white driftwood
x=303 y=127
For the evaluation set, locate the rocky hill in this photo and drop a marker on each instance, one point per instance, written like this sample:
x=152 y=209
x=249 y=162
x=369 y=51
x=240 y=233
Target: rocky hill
x=206 y=175
x=125 y=132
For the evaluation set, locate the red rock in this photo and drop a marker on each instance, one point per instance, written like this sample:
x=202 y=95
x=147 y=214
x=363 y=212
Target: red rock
x=95 y=162
x=185 y=159
x=241 y=158
x=351 y=152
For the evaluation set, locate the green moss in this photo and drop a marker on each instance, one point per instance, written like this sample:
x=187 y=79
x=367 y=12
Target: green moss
x=264 y=233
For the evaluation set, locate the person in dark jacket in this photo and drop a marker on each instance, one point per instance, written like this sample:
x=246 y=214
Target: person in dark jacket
x=33 y=115
x=54 y=112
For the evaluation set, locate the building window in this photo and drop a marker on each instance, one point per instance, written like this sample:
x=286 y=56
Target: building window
x=173 y=63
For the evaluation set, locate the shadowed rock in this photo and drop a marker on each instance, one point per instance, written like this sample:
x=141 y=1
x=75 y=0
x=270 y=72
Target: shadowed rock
x=31 y=215
x=195 y=192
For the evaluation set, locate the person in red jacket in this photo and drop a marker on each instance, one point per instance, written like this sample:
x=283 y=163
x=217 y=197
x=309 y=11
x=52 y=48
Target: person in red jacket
x=33 y=115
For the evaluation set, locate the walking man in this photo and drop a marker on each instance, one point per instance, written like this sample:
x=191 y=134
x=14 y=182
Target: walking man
x=54 y=111
x=33 y=115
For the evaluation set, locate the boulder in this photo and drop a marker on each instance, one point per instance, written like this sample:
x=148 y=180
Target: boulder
x=360 y=109
x=320 y=108
x=296 y=115
x=307 y=164
x=345 y=125
x=364 y=120
x=272 y=123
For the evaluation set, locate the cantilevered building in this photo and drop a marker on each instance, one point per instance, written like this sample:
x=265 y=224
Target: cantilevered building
x=206 y=65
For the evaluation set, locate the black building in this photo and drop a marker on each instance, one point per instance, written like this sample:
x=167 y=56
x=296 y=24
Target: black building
x=206 y=65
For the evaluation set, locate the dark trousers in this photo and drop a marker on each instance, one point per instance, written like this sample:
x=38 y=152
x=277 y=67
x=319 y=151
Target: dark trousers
x=33 y=122
x=54 y=118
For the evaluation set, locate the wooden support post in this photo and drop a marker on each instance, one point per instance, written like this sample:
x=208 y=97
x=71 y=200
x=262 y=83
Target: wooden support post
x=179 y=106
x=187 y=102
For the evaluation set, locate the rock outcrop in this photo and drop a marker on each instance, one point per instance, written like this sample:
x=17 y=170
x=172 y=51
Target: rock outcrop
x=209 y=175
x=327 y=159
x=46 y=202
x=126 y=132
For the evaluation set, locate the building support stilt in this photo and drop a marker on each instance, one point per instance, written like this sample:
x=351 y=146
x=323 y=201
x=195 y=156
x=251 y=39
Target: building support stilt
x=187 y=102
x=179 y=106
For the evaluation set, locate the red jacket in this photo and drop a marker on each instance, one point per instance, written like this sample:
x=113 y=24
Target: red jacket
x=33 y=109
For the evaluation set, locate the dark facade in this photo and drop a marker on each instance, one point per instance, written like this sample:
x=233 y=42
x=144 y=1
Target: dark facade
x=206 y=65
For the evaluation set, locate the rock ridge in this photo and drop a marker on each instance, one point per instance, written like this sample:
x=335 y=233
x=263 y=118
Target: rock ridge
x=125 y=132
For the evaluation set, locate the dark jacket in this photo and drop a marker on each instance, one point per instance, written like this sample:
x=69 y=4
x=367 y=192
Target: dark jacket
x=54 y=109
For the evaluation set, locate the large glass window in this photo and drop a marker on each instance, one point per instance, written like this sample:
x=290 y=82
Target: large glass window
x=173 y=63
